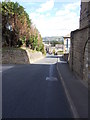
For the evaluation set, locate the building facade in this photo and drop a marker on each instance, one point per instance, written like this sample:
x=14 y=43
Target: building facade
x=66 y=43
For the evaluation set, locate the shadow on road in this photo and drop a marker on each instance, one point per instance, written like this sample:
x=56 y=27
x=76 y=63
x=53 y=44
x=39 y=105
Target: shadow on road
x=52 y=56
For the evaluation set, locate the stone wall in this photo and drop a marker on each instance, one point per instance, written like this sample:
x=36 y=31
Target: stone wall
x=20 y=56
x=34 y=56
x=14 y=56
x=79 y=59
x=89 y=62
x=85 y=14
x=78 y=56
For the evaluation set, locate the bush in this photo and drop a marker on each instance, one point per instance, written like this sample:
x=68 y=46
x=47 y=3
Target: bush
x=23 y=40
x=27 y=43
x=43 y=50
x=19 y=43
x=54 y=51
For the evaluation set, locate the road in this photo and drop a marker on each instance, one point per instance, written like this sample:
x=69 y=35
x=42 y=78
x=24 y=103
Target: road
x=34 y=91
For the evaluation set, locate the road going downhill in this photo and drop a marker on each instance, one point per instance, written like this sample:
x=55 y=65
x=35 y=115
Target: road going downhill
x=34 y=91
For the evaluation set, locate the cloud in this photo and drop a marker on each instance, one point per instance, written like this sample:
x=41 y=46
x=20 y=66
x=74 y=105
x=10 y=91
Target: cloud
x=65 y=20
x=67 y=9
x=46 y=6
x=68 y=16
x=72 y=6
x=39 y=1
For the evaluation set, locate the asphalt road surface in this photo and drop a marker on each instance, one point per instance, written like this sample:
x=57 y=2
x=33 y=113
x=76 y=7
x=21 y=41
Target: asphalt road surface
x=34 y=91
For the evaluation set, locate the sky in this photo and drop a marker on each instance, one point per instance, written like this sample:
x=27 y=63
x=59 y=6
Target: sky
x=53 y=17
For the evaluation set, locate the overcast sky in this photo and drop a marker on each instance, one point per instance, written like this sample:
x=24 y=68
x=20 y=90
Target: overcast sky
x=53 y=17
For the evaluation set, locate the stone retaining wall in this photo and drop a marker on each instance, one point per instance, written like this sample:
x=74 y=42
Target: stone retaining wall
x=14 y=56
x=34 y=56
x=20 y=56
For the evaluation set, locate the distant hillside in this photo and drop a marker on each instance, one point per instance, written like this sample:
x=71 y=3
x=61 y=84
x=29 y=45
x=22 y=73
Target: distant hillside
x=55 y=38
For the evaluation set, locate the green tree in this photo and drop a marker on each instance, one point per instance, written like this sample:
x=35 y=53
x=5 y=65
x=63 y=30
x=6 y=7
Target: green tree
x=13 y=14
x=54 y=51
x=22 y=30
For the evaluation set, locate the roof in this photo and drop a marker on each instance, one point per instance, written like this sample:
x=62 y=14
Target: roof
x=67 y=36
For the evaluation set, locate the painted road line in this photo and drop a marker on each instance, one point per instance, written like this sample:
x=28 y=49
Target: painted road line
x=51 y=79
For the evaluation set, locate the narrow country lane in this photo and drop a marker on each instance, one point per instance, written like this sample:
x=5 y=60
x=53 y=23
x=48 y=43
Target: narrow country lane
x=34 y=91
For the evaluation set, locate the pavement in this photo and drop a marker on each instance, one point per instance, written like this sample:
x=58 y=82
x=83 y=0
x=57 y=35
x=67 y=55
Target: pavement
x=34 y=91
x=76 y=89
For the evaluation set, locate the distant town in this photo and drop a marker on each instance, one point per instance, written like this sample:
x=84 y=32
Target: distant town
x=57 y=44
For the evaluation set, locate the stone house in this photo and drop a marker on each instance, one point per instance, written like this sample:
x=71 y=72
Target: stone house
x=79 y=60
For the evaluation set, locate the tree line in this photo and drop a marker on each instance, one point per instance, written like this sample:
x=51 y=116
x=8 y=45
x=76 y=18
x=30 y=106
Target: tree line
x=18 y=29
x=54 y=42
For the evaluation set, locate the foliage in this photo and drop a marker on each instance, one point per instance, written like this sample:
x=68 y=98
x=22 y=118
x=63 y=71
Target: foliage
x=23 y=39
x=42 y=49
x=17 y=28
x=19 y=43
x=56 y=42
x=14 y=15
x=54 y=51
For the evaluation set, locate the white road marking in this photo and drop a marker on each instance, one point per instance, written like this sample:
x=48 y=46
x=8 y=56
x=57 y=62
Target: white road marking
x=51 y=70
x=51 y=79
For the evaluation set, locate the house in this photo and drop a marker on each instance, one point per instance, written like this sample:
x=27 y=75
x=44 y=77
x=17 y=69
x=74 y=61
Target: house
x=66 y=43
x=59 y=47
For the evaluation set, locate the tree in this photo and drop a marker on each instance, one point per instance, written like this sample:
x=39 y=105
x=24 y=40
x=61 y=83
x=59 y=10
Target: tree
x=13 y=14
x=21 y=31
